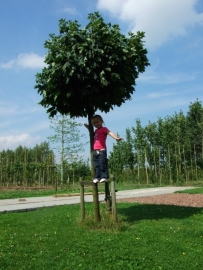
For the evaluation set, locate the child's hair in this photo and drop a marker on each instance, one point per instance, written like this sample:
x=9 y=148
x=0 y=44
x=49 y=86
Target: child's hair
x=97 y=116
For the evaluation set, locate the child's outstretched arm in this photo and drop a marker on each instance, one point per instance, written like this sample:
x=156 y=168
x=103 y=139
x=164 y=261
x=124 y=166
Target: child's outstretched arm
x=114 y=136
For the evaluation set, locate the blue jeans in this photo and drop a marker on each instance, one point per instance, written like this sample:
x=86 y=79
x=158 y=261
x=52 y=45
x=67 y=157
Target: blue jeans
x=100 y=164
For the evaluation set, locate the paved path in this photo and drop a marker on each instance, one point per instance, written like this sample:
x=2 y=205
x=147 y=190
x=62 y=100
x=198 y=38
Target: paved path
x=48 y=201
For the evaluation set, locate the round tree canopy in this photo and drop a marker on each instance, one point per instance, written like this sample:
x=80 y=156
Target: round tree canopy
x=91 y=68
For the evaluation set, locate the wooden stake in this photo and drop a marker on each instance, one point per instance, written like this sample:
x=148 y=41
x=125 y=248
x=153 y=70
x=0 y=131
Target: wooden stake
x=97 y=216
x=107 y=197
x=113 y=195
x=82 y=199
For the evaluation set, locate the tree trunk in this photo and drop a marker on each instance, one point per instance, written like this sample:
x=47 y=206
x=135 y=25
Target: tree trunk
x=195 y=156
x=68 y=181
x=146 y=167
x=25 y=168
x=179 y=158
x=191 y=163
x=155 y=171
x=138 y=168
x=95 y=186
x=43 y=182
x=160 y=169
x=185 y=168
x=7 y=169
x=176 y=164
x=62 y=151
x=169 y=165
x=202 y=154
x=73 y=177
x=1 y=182
x=91 y=135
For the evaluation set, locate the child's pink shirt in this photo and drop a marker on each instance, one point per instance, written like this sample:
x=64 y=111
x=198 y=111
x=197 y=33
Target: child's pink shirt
x=100 y=135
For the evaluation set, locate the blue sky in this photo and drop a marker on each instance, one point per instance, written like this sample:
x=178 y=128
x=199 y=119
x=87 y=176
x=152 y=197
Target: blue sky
x=174 y=39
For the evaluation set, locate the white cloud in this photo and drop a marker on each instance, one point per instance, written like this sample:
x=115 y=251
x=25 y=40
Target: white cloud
x=9 y=108
x=170 y=103
x=7 y=65
x=39 y=127
x=159 y=19
x=161 y=94
x=178 y=78
x=13 y=141
x=173 y=78
x=145 y=104
x=25 y=60
x=188 y=93
x=69 y=10
x=4 y=124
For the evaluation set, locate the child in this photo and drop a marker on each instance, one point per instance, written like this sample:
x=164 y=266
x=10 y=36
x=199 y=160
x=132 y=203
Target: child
x=99 y=146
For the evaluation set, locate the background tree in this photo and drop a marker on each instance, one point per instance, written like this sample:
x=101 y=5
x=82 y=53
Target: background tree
x=116 y=159
x=66 y=140
x=77 y=169
x=139 y=141
x=27 y=166
x=195 y=124
x=129 y=155
x=173 y=147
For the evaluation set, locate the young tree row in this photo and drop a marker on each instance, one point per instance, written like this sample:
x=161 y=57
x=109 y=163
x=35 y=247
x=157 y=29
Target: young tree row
x=170 y=148
x=37 y=166
x=26 y=165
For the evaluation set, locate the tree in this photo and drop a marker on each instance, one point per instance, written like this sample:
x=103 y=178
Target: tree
x=116 y=161
x=84 y=64
x=89 y=69
x=26 y=165
x=195 y=122
x=66 y=140
x=77 y=169
x=140 y=141
x=122 y=157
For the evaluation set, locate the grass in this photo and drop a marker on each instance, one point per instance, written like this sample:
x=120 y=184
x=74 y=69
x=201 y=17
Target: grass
x=147 y=237
x=192 y=191
x=12 y=194
x=25 y=193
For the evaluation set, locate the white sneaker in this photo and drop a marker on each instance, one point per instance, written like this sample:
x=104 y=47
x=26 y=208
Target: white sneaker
x=102 y=180
x=95 y=180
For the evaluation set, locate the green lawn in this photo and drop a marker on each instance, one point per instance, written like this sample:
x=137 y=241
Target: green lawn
x=23 y=193
x=192 y=191
x=13 y=194
x=148 y=237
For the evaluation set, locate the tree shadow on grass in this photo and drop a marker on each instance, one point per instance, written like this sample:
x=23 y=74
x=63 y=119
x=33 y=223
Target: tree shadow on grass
x=138 y=212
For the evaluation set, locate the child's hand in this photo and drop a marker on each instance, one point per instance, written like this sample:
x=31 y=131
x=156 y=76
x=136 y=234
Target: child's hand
x=114 y=136
x=86 y=125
